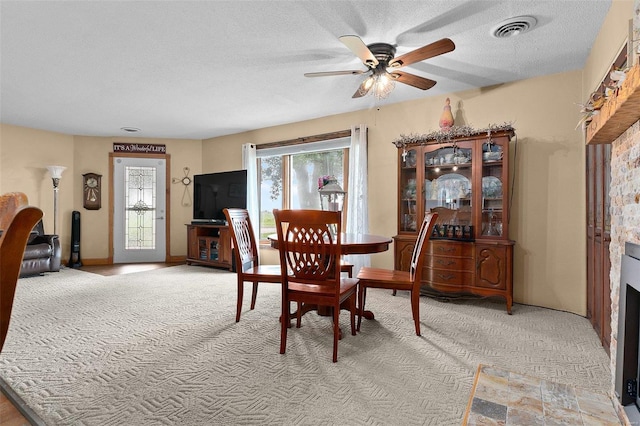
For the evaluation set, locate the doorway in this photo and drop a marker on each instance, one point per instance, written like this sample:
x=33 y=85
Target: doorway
x=140 y=216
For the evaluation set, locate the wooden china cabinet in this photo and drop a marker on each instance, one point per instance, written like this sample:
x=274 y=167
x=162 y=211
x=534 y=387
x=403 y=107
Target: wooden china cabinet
x=464 y=176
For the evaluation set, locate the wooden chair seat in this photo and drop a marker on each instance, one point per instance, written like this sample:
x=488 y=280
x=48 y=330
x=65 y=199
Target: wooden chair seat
x=309 y=289
x=400 y=280
x=263 y=273
x=383 y=278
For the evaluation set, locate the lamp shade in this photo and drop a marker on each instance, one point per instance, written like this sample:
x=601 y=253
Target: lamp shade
x=56 y=171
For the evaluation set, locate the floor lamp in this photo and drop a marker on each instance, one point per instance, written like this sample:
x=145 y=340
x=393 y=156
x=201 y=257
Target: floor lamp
x=56 y=174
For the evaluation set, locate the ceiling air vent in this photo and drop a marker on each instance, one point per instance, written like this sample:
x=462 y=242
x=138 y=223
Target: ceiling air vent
x=513 y=26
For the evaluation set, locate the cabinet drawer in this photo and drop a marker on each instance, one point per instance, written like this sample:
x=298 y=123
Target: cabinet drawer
x=448 y=248
x=444 y=276
x=449 y=263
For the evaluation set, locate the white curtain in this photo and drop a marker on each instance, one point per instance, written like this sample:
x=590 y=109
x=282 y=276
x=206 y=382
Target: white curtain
x=249 y=164
x=358 y=213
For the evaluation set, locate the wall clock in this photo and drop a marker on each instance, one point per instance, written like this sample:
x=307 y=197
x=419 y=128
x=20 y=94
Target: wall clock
x=91 y=191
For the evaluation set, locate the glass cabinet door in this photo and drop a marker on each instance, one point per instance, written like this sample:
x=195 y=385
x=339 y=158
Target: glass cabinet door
x=494 y=196
x=408 y=219
x=448 y=189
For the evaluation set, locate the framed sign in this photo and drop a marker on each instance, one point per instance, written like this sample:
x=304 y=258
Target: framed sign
x=146 y=148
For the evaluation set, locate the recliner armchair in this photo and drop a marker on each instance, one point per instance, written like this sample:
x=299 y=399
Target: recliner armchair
x=42 y=254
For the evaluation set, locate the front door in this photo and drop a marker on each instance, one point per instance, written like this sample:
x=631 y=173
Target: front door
x=139 y=200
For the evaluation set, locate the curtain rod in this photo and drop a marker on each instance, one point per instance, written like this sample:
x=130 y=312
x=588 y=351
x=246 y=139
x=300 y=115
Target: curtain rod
x=307 y=139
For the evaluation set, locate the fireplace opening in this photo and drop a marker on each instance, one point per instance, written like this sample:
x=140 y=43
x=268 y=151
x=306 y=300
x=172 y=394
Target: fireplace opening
x=627 y=380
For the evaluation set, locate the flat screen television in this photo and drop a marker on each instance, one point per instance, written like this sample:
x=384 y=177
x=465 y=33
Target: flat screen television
x=213 y=192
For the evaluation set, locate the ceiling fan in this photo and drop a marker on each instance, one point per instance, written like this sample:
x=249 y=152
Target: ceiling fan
x=384 y=68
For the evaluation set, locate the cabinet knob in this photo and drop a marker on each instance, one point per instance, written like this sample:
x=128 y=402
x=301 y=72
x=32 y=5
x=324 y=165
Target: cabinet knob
x=445 y=262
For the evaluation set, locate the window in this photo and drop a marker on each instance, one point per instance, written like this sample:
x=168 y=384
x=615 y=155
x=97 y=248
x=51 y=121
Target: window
x=288 y=176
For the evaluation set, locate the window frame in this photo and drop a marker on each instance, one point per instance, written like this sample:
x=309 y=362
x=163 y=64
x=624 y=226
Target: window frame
x=285 y=149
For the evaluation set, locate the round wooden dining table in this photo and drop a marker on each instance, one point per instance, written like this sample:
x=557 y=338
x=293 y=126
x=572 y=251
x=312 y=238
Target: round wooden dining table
x=353 y=243
x=350 y=244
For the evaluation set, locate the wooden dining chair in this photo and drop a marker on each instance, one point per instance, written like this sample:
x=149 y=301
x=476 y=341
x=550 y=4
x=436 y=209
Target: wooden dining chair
x=346 y=267
x=17 y=219
x=245 y=252
x=310 y=248
x=400 y=280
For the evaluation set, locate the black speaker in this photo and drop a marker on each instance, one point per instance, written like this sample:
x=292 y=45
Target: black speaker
x=74 y=260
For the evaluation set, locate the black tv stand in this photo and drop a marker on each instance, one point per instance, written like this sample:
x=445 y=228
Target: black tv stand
x=208 y=222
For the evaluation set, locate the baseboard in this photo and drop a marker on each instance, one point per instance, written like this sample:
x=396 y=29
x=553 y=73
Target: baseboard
x=95 y=262
x=20 y=405
x=109 y=261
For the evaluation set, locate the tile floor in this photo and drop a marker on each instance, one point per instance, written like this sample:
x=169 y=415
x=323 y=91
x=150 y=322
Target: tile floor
x=501 y=397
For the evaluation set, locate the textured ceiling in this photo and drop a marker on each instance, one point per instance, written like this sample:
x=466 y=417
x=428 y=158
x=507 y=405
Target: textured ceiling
x=199 y=69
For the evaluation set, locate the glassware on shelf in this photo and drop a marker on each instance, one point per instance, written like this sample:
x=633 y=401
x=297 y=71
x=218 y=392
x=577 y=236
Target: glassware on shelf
x=491 y=228
x=411 y=159
x=491 y=152
x=409 y=222
x=491 y=187
x=492 y=156
x=410 y=189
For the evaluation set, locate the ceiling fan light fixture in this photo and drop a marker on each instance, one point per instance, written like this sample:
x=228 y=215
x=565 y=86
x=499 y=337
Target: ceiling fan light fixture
x=368 y=83
x=383 y=85
x=514 y=26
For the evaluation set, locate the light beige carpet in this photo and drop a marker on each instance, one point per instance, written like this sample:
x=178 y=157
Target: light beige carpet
x=162 y=348
x=507 y=398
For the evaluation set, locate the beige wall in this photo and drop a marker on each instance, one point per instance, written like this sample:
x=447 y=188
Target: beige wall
x=611 y=39
x=25 y=152
x=548 y=211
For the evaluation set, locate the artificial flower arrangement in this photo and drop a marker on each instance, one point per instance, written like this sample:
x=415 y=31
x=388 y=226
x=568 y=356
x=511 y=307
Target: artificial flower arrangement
x=323 y=180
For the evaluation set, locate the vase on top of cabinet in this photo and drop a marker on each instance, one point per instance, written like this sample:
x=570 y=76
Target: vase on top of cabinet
x=463 y=175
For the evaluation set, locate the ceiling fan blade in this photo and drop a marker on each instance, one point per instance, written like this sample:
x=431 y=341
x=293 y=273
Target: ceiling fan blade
x=413 y=80
x=357 y=46
x=327 y=73
x=425 y=52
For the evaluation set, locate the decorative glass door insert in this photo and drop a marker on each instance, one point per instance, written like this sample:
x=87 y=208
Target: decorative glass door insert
x=140 y=206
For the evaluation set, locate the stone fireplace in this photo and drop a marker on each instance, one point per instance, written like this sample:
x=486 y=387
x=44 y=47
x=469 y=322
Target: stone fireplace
x=626 y=371
x=625 y=228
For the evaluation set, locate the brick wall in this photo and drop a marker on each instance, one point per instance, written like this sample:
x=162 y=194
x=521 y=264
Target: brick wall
x=625 y=215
